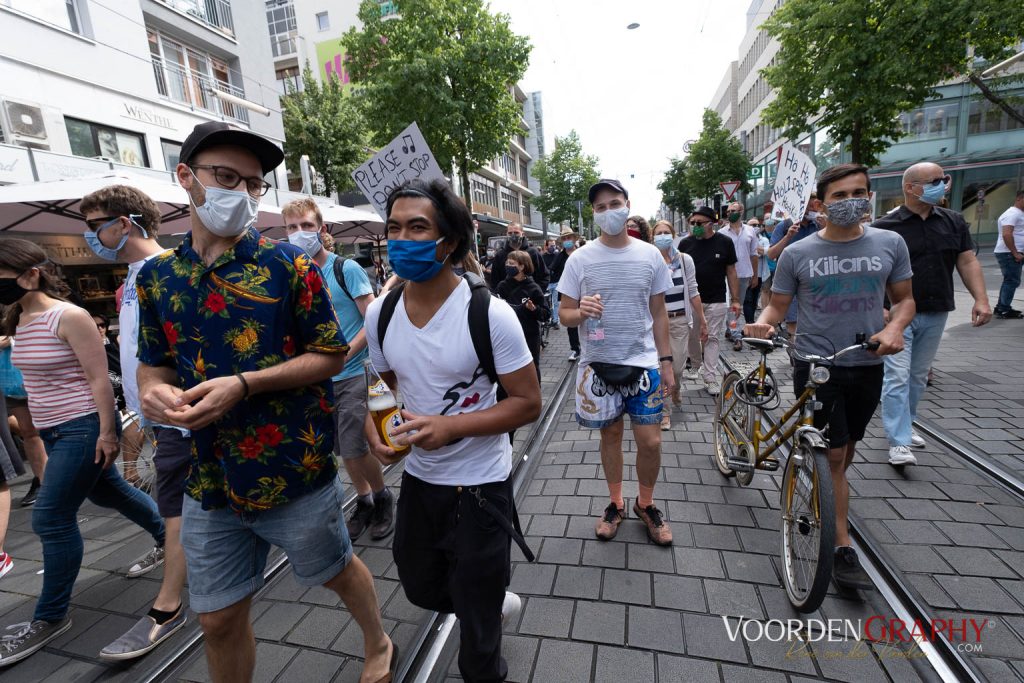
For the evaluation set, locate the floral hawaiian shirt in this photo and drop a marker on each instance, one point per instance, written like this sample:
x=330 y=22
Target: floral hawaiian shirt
x=261 y=303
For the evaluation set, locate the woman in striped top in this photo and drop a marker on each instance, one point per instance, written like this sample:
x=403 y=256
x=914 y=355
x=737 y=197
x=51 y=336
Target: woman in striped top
x=682 y=301
x=72 y=404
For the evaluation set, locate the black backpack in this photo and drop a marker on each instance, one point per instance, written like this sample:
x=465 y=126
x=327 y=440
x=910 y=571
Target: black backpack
x=339 y=275
x=479 y=321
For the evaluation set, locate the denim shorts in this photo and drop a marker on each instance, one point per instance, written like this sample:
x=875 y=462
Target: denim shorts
x=597 y=406
x=227 y=551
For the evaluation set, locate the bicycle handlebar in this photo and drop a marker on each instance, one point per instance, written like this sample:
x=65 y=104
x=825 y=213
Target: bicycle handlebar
x=863 y=344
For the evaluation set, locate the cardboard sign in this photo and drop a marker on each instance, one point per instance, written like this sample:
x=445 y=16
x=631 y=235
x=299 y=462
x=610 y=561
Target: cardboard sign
x=729 y=187
x=793 y=183
x=405 y=158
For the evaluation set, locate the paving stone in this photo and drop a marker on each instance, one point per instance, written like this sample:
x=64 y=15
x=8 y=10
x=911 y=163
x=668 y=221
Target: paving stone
x=707 y=637
x=561 y=551
x=976 y=562
x=699 y=562
x=271 y=660
x=794 y=657
x=278 y=620
x=604 y=554
x=559 y=487
x=649 y=558
x=912 y=508
x=762 y=541
x=548 y=525
x=532 y=579
x=930 y=590
x=733 y=599
x=972 y=535
x=848 y=660
x=318 y=629
x=917 y=558
x=547 y=617
x=736 y=674
x=656 y=629
x=919 y=532
x=578 y=582
x=309 y=665
x=631 y=587
x=685 y=670
x=978 y=593
x=1012 y=536
x=519 y=653
x=712 y=536
x=679 y=592
x=599 y=622
x=564 y=662
x=749 y=567
x=615 y=665
x=573 y=505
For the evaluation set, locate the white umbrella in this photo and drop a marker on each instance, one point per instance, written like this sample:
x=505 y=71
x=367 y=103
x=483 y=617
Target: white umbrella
x=345 y=223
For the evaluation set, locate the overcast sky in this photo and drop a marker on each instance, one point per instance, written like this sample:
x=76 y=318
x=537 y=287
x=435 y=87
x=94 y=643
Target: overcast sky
x=635 y=96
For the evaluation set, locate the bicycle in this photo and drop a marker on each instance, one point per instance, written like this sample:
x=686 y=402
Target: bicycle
x=806 y=497
x=138 y=445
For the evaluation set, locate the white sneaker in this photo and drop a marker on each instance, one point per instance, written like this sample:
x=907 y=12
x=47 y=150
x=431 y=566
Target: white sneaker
x=147 y=563
x=713 y=388
x=692 y=374
x=901 y=455
x=916 y=440
x=510 y=607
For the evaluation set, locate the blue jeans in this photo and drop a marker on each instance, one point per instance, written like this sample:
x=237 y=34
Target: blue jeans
x=906 y=375
x=71 y=477
x=553 y=290
x=1011 y=268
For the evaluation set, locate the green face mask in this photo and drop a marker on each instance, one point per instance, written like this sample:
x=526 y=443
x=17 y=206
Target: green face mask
x=734 y=216
x=698 y=231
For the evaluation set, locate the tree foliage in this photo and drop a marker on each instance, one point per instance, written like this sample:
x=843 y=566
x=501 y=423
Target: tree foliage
x=854 y=65
x=565 y=175
x=325 y=124
x=675 y=193
x=446 y=64
x=715 y=157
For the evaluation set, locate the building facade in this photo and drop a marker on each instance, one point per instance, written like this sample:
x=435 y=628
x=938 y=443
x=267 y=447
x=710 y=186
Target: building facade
x=976 y=142
x=123 y=82
x=533 y=112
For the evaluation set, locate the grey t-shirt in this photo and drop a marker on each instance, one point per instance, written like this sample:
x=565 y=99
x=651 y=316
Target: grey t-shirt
x=840 y=287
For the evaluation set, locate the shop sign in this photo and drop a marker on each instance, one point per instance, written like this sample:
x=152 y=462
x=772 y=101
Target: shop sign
x=15 y=165
x=52 y=166
x=68 y=250
x=146 y=115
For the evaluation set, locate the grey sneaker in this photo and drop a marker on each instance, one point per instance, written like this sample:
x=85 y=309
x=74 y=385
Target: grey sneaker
x=382 y=521
x=21 y=640
x=142 y=637
x=359 y=520
x=147 y=563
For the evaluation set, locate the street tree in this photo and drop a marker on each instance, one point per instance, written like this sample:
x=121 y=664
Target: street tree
x=675 y=193
x=852 y=66
x=565 y=175
x=715 y=157
x=324 y=123
x=448 y=65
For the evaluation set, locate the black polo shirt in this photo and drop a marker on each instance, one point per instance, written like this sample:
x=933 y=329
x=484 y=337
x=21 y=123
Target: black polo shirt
x=711 y=258
x=934 y=243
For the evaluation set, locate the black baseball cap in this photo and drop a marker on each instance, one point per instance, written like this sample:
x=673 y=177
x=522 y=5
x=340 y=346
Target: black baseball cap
x=707 y=212
x=606 y=182
x=214 y=133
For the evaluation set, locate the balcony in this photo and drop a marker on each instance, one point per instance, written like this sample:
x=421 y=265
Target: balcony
x=214 y=13
x=196 y=90
x=283 y=45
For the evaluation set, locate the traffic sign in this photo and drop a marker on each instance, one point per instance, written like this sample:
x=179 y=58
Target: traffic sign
x=687 y=145
x=756 y=172
x=729 y=188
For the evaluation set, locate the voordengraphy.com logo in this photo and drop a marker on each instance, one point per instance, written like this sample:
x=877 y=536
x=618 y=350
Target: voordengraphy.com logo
x=964 y=633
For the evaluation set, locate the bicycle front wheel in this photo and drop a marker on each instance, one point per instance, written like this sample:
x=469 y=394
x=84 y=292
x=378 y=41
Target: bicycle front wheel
x=732 y=429
x=138 y=446
x=808 y=525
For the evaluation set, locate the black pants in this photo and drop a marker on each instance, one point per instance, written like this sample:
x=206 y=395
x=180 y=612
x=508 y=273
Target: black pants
x=750 y=301
x=574 y=338
x=453 y=557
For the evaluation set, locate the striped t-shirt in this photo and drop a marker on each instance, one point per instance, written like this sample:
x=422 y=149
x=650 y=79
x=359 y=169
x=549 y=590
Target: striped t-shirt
x=54 y=379
x=684 y=284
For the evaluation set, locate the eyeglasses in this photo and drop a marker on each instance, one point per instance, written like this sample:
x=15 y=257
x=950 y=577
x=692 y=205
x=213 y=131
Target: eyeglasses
x=698 y=224
x=97 y=223
x=230 y=178
x=944 y=180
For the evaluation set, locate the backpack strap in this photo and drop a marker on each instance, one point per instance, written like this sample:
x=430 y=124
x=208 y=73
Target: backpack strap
x=339 y=275
x=387 y=311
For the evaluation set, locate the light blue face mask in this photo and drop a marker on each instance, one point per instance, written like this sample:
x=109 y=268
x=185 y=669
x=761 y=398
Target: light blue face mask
x=933 y=194
x=102 y=250
x=663 y=241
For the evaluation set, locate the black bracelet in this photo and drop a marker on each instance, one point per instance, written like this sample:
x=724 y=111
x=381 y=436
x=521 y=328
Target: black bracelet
x=665 y=358
x=245 y=385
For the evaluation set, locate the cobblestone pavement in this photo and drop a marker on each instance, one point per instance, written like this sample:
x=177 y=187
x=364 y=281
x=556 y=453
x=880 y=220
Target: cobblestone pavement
x=628 y=610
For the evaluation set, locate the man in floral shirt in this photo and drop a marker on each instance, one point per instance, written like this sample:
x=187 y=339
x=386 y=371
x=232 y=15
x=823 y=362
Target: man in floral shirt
x=238 y=341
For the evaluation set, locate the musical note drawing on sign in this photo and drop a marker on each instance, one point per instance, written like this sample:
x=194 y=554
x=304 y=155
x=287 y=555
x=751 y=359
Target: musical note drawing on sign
x=408 y=144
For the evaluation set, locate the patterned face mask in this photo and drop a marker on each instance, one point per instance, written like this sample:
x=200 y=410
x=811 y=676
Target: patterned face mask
x=847 y=212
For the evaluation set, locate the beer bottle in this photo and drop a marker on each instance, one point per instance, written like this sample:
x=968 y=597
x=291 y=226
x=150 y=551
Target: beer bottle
x=383 y=407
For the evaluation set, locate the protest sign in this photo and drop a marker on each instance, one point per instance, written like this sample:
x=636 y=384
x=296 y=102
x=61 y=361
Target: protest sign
x=793 y=183
x=405 y=158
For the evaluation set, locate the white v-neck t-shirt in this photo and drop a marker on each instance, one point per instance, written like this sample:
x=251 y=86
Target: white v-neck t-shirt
x=439 y=374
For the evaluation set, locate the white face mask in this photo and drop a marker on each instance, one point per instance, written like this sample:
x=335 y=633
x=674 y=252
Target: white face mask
x=613 y=221
x=308 y=242
x=226 y=213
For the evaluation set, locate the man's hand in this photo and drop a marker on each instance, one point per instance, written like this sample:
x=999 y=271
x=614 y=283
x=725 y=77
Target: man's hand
x=792 y=231
x=753 y=282
x=889 y=340
x=431 y=431
x=216 y=397
x=1019 y=256
x=759 y=330
x=530 y=306
x=703 y=331
x=591 y=307
x=734 y=308
x=668 y=376
x=981 y=313
x=159 y=400
x=384 y=453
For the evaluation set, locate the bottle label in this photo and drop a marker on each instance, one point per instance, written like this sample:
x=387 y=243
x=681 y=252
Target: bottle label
x=387 y=424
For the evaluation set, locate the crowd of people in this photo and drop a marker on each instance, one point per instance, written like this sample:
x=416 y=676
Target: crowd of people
x=246 y=355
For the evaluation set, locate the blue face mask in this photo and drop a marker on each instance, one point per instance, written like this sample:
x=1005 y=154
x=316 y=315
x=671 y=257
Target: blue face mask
x=663 y=241
x=933 y=194
x=415 y=260
x=103 y=251
x=568 y=244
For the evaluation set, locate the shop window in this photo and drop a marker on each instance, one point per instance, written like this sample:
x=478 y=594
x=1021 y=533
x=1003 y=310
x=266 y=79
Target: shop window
x=987 y=117
x=62 y=13
x=95 y=140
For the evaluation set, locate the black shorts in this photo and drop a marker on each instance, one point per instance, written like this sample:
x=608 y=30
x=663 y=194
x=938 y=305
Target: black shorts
x=848 y=399
x=173 y=458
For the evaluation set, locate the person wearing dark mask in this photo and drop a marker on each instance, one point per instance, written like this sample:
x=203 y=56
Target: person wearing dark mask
x=515 y=240
x=939 y=241
x=526 y=298
x=787 y=232
x=637 y=228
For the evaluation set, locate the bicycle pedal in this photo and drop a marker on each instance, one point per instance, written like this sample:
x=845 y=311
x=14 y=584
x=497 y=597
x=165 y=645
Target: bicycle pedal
x=740 y=466
x=769 y=465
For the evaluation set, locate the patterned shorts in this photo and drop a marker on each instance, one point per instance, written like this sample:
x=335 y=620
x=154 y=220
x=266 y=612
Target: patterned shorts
x=598 y=406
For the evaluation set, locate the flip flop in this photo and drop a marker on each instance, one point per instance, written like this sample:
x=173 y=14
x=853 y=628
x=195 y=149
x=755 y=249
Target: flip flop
x=392 y=667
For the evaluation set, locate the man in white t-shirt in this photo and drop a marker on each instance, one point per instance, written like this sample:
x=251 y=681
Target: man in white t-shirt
x=455 y=514
x=744 y=239
x=1010 y=255
x=122 y=226
x=615 y=289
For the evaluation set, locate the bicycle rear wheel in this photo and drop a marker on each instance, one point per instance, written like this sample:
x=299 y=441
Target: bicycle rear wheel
x=138 y=446
x=733 y=422
x=808 y=525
